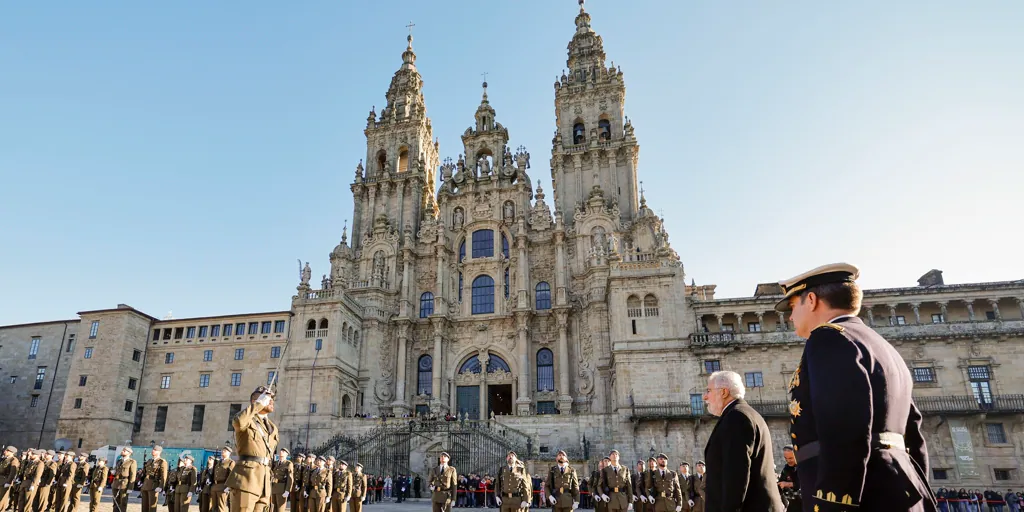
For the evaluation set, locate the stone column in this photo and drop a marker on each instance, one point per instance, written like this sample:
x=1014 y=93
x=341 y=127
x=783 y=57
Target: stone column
x=522 y=276
x=719 y=316
x=970 y=308
x=892 y=315
x=482 y=356
x=357 y=217
x=871 y=315
x=917 y=312
x=438 y=368
x=401 y=204
x=781 y=326
x=1020 y=305
x=942 y=309
x=406 y=301
x=523 y=400
x=564 y=396
x=400 y=400
x=561 y=295
x=372 y=193
x=739 y=323
x=440 y=301
x=760 y=320
x=995 y=309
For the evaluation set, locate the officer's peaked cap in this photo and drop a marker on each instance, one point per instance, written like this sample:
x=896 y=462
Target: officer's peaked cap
x=825 y=274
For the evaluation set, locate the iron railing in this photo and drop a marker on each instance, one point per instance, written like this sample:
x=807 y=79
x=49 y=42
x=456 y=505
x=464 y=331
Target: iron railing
x=685 y=410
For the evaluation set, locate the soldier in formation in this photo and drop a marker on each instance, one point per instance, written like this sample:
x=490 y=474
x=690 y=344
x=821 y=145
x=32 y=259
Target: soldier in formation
x=444 y=482
x=662 y=487
x=171 y=486
x=594 y=483
x=563 y=484
x=219 y=489
x=29 y=481
x=79 y=480
x=299 y=472
x=97 y=481
x=124 y=481
x=342 y=487
x=187 y=480
x=49 y=477
x=154 y=481
x=318 y=487
x=615 y=485
x=9 y=467
x=282 y=481
x=359 y=489
x=61 y=490
x=206 y=485
x=513 y=488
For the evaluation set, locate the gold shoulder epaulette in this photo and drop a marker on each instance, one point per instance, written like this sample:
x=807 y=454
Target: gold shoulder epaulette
x=827 y=325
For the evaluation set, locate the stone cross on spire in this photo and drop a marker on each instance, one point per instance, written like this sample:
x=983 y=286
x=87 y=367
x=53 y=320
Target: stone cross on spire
x=411 y=25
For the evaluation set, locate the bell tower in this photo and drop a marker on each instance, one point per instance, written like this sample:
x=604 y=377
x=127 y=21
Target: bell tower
x=397 y=179
x=594 y=146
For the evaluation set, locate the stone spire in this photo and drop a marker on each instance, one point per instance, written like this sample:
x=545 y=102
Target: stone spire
x=586 y=50
x=409 y=56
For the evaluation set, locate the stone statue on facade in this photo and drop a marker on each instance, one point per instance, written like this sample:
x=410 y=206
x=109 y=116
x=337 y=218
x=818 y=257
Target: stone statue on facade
x=458 y=219
x=305 y=274
x=510 y=211
x=485 y=166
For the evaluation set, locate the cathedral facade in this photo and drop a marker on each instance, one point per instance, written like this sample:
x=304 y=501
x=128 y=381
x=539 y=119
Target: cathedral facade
x=563 y=317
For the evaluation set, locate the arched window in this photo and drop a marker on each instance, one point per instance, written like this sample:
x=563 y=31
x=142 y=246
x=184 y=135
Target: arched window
x=506 y=282
x=462 y=251
x=494 y=363
x=403 y=160
x=352 y=335
x=483 y=295
x=633 y=307
x=355 y=338
x=311 y=325
x=483 y=243
x=382 y=160
x=543 y=295
x=545 y=370
x=323 y=323
x=472 y=365
x=344 y=332
x=579 y=133
x=426 y=304
x=424 y=375
x=460 y=287
x=604 y=130
x=346 y=406
x=504 y=246
x=650 y=305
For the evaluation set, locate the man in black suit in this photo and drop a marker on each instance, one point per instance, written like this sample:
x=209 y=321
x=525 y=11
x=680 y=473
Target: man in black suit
x=741 y=467
x=856 y=431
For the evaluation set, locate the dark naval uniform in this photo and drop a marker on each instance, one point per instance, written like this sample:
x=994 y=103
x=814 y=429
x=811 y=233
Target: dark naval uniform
x=856 y=431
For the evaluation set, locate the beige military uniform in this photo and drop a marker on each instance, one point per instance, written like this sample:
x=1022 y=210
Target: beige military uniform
x=9 y=468
x=30 y=485
x=65 y=474
x=219 y=498
x=318 y=487
x=187 y=479
x=282 y=481
x=615 y=482
x=206 y=488
x=256 y=441
x=564 y=486
x=342 y=490
x=78 y=481
x=595 y=492
x=513 y=487
x=298 y=503
x=444 y=483
x=699 y=484
x=172 y=484
x=664 y=486
x=42 y=501
x=124 y=481
x=359 y=488
x=96 y=485
x=155 y=477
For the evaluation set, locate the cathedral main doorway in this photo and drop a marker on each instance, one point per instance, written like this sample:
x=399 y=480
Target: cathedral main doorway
x=499 y=399
x=467 y=401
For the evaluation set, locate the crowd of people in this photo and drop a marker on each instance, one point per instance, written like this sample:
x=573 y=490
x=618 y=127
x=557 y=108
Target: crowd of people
x=976 y=500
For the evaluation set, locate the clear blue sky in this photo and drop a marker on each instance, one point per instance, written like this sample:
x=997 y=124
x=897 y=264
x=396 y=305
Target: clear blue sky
x=182 y=155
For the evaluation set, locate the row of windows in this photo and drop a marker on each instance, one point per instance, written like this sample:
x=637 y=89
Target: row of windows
x=214 y=331
x=579 y=131
x=482 y=241
x=204 y=380
x=545 y=370
x=275 y=352
x=483 y=296
x=198 y=417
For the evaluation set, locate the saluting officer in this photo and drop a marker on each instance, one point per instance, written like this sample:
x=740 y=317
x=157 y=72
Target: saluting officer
x=563 y=484
x=9 y=467
x=856 y=431
x=154 y=480
x=512 y=487
x=282 y=482
x=187 y=479
x=342 y=487
x=256 y=439
x=444 y=483
x=78 y=482
x=97 y=482
x=616 y=488
x=124 y=481
x=221 y=472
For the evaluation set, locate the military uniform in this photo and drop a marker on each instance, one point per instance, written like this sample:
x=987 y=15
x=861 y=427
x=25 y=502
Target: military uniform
x=564 y=486
x=154 y=473
x=124 y=482
x=96 y=484
x=30 y=485
x=686 y=489
x=856 y=431
x=206 y=487
x=318 y=489
x=221 y=472
x=342 y=487
x=298 y=474
x=186 y=482
x=282 y=482
x=615 y=483
x=78 y=481
x=256 y=438
x=444 y=481
x=513 y=487
x=639 y=479
x=663 y=486
x=359 y=490
x=171 y=486
x=46 y=482
x=65 y=475
x=791 y=495
x=10 y=466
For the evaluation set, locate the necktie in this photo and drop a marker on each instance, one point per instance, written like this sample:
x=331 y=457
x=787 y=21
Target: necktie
x=663 y=473
x=563 y=470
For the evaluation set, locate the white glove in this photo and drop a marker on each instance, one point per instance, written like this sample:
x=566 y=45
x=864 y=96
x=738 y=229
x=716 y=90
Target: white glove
x=575 y=504
x=305 y=495
x=348 y=499
x=632 y=499
x=208 y=482
x=158 y=490
x=31 y=488
x=263 y=400
x=691 y=503
x=497 y=500
x=364 y=500
x=284 y=494
x=525 y=504
x=551 y=499
x=227 y=490
x=630 y=507
x=679 y=508
x=6 y=485
x=65 y=485
x=643 y=498
x=605 y=498
x=188 y=497
x=329 y=500
x=650 y=498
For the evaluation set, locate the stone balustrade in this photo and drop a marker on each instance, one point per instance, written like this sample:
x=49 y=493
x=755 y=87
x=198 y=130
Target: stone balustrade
x=945 y=331
x=316 y=333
